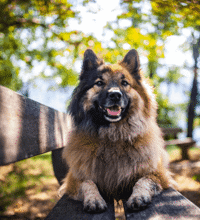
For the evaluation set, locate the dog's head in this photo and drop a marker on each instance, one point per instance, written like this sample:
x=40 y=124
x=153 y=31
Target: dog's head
x=109 y=93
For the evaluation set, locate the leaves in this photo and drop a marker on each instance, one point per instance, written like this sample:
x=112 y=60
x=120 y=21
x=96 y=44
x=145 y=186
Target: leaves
x=172 y=12
x=148 y=33
x=35 y=31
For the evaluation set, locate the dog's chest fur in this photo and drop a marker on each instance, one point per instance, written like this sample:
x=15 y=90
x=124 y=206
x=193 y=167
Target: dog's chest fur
x=117 y=166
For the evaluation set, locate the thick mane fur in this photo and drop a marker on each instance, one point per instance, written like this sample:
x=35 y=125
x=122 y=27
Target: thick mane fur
x=115 y=146
x=133 y=125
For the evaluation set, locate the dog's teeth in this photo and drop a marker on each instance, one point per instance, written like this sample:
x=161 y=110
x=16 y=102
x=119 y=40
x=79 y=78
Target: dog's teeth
x=113 y=112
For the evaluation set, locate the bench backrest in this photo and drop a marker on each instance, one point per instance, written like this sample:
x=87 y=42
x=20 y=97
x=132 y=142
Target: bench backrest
x=28 y=128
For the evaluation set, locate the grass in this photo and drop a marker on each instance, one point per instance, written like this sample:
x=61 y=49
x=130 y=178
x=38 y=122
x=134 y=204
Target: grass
x=171 y=148
x=23 y=175
x=175 y=152
x=196 y=177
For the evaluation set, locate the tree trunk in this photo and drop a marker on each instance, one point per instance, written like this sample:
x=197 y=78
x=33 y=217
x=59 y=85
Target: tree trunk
x=192 y=104
x=194 y=92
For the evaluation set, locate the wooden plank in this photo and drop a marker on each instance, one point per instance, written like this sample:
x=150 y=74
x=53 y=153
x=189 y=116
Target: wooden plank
x=186 y=141
x=170 y=204
x=171 y=131
x=68 y=209
x=28 y=128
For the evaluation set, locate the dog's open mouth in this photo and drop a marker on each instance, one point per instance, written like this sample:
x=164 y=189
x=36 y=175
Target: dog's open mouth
x=113 y=113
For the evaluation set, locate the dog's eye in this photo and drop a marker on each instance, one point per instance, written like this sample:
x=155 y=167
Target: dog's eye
x=99 y=83
x=124 y=83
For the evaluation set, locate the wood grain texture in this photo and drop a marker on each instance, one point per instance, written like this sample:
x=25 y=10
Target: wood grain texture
x=68 y=209
x=28 y=128
x=170 y=204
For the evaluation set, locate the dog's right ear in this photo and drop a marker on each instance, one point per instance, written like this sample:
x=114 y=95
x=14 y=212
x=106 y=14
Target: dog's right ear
x=90 y=61
x=131 y=62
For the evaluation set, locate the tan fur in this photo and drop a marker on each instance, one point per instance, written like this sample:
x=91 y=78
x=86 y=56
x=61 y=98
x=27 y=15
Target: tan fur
x=126 y=155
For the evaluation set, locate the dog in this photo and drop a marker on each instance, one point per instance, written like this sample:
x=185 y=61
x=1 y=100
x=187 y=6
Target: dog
x=115 y=148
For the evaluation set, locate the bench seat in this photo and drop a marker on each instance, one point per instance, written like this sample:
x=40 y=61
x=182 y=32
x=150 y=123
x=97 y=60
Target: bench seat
x=170 y=204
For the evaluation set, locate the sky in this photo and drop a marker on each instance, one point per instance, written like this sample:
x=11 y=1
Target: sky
x=93 y=23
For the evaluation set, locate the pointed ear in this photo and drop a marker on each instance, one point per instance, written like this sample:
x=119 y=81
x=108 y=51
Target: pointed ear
x=131 y=62
x=90 y=61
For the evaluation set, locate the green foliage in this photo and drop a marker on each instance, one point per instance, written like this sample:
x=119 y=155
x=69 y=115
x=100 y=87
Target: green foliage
x=8 y=71
x=35 y=32
x=171 y=148
x=144 y=34
x=173 y=75
x=172 y=13
x=197 y=122
x=68 y=76
x=172 y=16
x=148 y=32
x=32 y=32
x=196 y=177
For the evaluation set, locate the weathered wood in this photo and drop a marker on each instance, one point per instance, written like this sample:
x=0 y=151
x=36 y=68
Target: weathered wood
x=183 y=144
x=28 y=128
x=68 y=209
x=170 y=131
x=170 y=204
x=180 y=142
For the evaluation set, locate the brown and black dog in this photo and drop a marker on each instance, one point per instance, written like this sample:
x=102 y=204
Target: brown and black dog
x=115 y=148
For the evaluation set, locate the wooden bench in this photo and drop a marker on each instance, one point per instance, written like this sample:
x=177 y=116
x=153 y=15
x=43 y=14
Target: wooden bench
x=185 y=144
x=28 y=128
x=170 y=132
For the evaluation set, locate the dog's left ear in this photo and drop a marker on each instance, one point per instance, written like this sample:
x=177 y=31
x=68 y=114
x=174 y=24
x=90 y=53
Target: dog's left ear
x=131 y=62
x=90 y=61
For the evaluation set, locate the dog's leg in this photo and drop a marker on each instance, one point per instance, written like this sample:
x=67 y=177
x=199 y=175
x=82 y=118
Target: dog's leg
x=85 y=191
x=92 y=200
x=143 y=191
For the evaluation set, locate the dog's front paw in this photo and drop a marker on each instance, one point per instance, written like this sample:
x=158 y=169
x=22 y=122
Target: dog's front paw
x=139 y=201
x=92 y=200
x=94 y=204
x=142 y=194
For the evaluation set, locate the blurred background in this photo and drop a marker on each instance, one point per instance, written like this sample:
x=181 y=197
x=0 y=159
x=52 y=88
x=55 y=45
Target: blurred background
x=42 y=44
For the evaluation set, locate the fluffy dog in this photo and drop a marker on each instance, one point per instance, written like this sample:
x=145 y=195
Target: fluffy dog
x=115 y=149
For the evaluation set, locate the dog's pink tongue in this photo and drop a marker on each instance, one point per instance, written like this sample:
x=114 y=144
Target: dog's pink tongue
x=113 y=113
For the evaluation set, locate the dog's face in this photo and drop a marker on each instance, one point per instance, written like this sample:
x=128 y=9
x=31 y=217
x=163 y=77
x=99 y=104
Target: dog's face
x=109 y=93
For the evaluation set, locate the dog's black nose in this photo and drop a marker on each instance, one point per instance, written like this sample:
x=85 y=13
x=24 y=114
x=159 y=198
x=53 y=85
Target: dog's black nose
x=115 y=96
